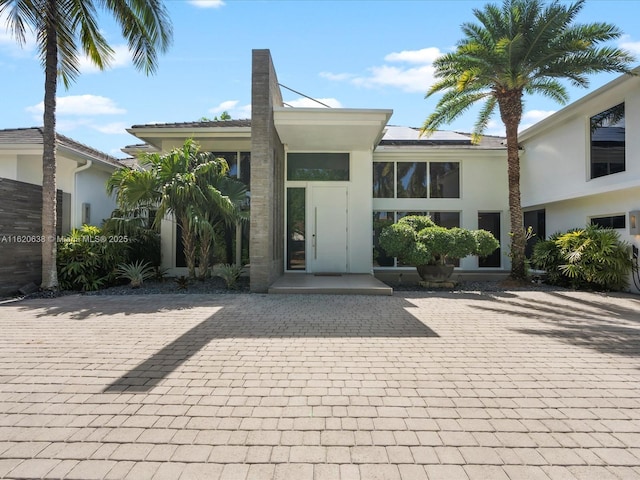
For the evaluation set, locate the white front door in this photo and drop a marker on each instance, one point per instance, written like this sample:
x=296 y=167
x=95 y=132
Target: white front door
x=328 y=226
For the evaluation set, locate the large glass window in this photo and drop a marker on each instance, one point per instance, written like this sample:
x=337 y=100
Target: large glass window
x=383 y=180
x=490 y=221
x=536 y=219
x=608 y=142
x=444 y=180
x=318 y=166
x=412 y=181
x=380 y=221
x=296 y=234
x=613 y=221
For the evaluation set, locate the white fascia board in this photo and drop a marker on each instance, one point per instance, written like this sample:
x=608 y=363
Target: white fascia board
x=632 y=184
x=440 y=150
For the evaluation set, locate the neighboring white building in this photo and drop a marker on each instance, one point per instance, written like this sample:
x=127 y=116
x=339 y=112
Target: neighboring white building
x=81 y=173
x=581 y=165
x=81 y=178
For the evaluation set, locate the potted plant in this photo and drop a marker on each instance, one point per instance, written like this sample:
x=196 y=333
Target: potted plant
x=416 y=240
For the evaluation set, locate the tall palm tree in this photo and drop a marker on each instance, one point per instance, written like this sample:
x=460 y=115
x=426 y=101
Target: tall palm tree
x=191 y=185
x=523 y=47
x=64 y=29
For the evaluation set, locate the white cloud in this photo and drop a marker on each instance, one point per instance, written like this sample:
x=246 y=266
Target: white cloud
x=423 y=56
x=415 y=72
x=224 y=106
x=233 y=108
x=627 y=44
x=115 y=128
x=415 y=79
x=81 y=105
x=121 y=58
x=337 y=77
x=534 y=116
x=308 y=103
x=207 y=3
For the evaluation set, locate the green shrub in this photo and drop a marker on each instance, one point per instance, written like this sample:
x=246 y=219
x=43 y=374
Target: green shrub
x=230 y=273
x=136 y=273
x=417 y=240
x=486 y=243
x=589 y=258
x=87 y=259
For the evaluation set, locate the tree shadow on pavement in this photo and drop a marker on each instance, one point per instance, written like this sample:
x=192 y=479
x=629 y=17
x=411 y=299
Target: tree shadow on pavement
x=607 y=323
x=263 y=316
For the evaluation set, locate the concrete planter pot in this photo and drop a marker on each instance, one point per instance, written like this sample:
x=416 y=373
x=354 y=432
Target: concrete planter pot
x=435 y=273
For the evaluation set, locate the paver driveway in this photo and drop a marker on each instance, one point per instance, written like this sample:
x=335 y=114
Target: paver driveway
x=519 y=385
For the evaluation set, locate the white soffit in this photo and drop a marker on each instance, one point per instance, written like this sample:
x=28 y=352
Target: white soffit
x=330 y=129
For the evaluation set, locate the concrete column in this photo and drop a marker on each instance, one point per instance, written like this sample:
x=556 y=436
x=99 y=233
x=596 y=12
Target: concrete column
x=266 y=245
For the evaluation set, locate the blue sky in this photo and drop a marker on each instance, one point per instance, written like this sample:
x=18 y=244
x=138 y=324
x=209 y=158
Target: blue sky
x=350 y=53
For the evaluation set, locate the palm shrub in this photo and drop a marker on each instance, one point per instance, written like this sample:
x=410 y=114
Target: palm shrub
x=589 y=258
x=87 y=260
x=136 y=273
x=230 y=273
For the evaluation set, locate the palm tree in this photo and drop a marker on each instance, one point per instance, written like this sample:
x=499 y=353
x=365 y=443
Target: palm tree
x=64 y=28
x=191 y=185
x=524 y=47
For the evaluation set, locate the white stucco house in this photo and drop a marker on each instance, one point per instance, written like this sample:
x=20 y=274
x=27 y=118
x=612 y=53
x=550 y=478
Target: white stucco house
x=81 y=176
x=581 y=165
x=324 y=181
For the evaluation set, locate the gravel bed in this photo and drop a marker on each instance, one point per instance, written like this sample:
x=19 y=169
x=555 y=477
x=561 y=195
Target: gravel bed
x=216 y=285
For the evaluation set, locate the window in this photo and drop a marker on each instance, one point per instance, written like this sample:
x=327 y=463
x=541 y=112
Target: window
x=416 y=179
x=383 y=179
x=607 y=131
x=318 y=166
x=613 y=221
x=536 y=219
x=296 y=229
x=412 y=180
x=444 y=180
x=380 y=221
x=490 y=221
x=240 y=170
x=384 y=219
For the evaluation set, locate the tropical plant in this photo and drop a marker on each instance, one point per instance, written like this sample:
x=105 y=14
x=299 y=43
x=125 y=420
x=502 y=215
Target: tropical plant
x=230 y=273
x=182 y=282
x=87 y=260
x=64 y=29
x=416 y=240
x=523 y=47
x=586 y=258
x=190 y=185
x=136 y=273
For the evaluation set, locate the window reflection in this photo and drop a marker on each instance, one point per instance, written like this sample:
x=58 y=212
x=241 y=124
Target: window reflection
x=608 y=142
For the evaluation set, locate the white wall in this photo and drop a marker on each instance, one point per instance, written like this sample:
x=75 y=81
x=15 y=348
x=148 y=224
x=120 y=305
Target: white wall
x=8 y=167
x=483 y=188
x=576 y=213
x=555 y=161
x=360 y=217
x=91 y=189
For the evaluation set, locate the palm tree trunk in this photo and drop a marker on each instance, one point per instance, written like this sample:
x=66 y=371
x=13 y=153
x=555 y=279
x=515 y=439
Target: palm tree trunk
x=49 y=207
x=511 y=113
x=205 y=253
x=189 y=243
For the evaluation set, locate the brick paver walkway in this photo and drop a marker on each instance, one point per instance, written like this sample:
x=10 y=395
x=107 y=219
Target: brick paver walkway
x=521 y=385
